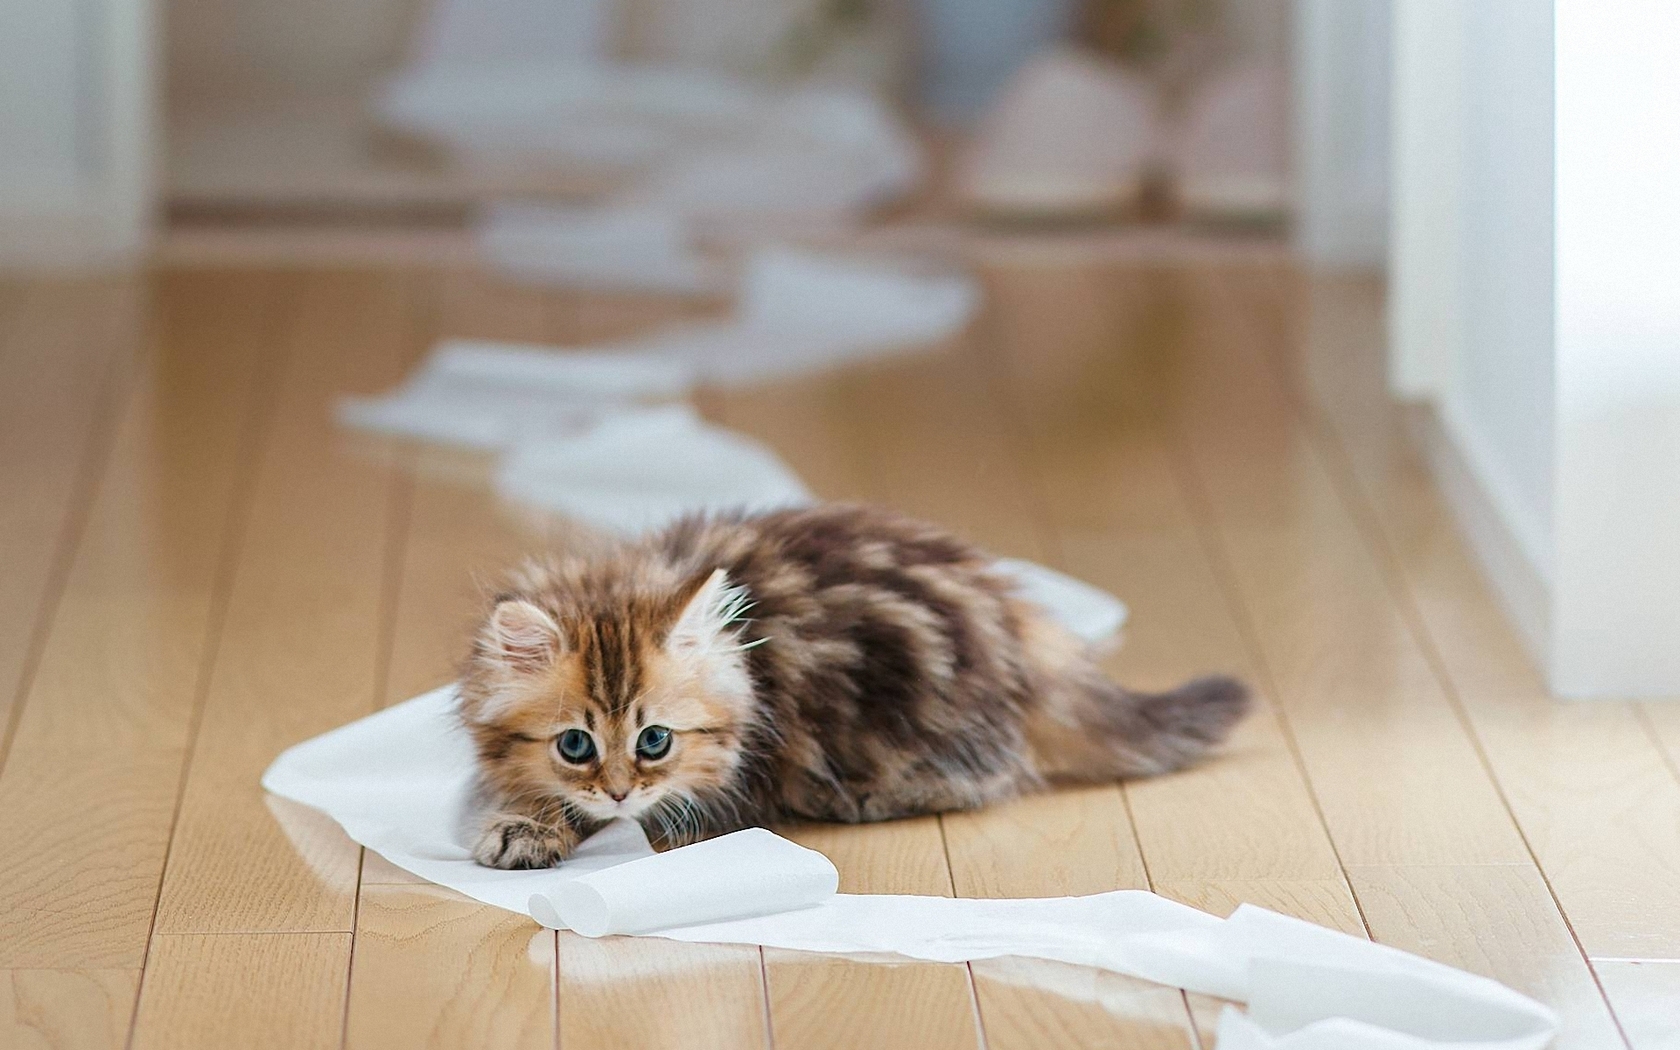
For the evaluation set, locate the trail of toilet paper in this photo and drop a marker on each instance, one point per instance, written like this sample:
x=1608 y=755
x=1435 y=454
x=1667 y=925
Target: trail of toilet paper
x=631 y=468
x=798 y=313
x=639 y=469
x=400 y=781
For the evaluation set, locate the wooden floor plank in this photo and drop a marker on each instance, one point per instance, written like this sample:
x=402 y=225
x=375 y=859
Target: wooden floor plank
x=458 y=540
x=941 y=443
x=1646 y=999
x=1663 y=719
x=1349 y=674
x=933 y=440
x=262 y=991
x=66 y=1009
x=458 y=536
x=638 y=992
x=1357 y=682
x=435 y=969
x=417 y=945
x=852 y=436
x=718 y=990
x=113 y=695
x=1087 y=375
x=1163 y=433
x=1496 y=920
x=1595 y=796
x=65 y=348
x=1087 y=369
x=303 y=642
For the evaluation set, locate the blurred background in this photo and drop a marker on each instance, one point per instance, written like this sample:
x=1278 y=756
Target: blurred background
x=182 y=113
x=1503 y=167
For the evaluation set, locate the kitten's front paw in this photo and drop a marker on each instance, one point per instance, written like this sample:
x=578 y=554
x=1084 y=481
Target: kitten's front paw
x=520 y=842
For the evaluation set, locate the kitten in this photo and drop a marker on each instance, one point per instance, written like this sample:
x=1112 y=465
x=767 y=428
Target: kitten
x=837 y=663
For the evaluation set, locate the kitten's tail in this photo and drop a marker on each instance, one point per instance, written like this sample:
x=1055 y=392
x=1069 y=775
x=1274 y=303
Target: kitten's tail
x=1098 y=731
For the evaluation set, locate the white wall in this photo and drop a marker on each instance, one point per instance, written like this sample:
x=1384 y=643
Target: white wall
x=1341 y=88
x=1617 y=589
x=1426 y=116
x=76 y=120
x=1535 y=251
x=40 y=125
x=1498 y=400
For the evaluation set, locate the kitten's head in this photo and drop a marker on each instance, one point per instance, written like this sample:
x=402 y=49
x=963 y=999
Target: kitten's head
x=611 y=700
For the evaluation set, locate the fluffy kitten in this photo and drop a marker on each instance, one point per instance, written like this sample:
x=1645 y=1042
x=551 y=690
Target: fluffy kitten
x=836 y=663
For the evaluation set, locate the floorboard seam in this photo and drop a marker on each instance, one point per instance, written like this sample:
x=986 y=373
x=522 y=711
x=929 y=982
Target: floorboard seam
x=264 y=401
x=1324 y=438
x=117 y=386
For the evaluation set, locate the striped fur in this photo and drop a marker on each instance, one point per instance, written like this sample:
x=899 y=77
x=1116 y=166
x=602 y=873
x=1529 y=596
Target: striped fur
x=838 y=663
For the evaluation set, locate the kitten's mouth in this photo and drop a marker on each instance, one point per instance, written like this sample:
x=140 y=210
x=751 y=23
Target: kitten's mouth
x=627 y=809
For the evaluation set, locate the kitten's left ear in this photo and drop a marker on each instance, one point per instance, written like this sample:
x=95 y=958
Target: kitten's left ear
x=520 y=635
x=715 y=607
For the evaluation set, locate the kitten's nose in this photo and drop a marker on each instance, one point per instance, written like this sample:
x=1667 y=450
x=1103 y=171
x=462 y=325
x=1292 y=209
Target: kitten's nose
x=619 y=796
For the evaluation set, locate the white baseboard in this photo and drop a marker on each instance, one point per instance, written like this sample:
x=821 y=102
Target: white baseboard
x=1520 y=584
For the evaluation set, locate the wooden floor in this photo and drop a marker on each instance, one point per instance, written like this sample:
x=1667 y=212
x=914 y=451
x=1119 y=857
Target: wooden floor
x=197 y=569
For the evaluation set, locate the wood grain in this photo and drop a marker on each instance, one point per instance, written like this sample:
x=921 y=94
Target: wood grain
x=88 y=791
x=941 y=444
x=1646 y=999
x=281 y=991
x=1087 y=394
x=455 y=542
x=429 y=965
x=66 y=1009
x=1032 y=1003
x=847 y=436
x=302 y=645
x=822 y=1001
x=65 y=349
x=1211 y=442
x=633 y=992
x=1496 y=920
x=435 y=969
x=1349 y=674
x=1595 y=796
x=1066 y=843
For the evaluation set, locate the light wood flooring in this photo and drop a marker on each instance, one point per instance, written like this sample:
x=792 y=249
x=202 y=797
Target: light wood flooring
x=198 y=568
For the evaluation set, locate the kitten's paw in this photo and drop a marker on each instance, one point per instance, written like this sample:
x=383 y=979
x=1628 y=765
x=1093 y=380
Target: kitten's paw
x=520 y=842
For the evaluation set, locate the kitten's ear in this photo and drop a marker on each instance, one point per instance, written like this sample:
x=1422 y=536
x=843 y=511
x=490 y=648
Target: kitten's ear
x=521 y=636
x=709 y=613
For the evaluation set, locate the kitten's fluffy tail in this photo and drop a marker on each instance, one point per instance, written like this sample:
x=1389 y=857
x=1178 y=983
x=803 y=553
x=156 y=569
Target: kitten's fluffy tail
x=1101 y=731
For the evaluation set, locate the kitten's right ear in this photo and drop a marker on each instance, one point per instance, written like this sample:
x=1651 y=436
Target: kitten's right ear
x=520 y=636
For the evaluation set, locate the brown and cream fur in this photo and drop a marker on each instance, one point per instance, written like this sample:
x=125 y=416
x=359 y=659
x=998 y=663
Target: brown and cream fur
x=838 y=663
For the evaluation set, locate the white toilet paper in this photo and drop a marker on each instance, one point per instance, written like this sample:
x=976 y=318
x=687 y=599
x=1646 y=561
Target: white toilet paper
x=799 y=313
x=399 y=783
x=738 y=876
x=1094 y=615
x=639 y=469
x=596 y=248
x=491 y=395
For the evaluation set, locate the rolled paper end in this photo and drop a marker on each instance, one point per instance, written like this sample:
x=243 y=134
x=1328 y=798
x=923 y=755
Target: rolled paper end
x=743 y=875
x=542 y=910
x=583 y=910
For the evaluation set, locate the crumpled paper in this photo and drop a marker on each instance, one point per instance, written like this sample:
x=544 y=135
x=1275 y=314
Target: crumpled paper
x=597 y=248
x=490 y=395
x=687 y=153
x=639 y=469
x=799 y=313
x=399 y=782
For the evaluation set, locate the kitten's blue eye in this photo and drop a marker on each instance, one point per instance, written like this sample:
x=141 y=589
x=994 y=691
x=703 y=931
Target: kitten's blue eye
x=654 y=742
x=575 y=746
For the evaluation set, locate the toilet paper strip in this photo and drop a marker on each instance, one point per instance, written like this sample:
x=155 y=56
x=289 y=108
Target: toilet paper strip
x=737 y=876
x=400 y=782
